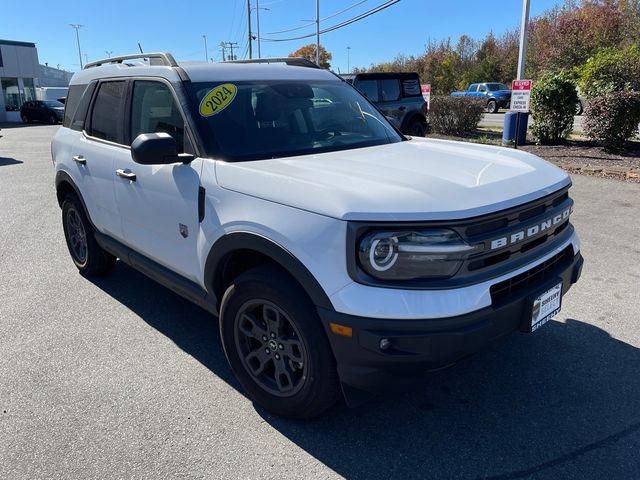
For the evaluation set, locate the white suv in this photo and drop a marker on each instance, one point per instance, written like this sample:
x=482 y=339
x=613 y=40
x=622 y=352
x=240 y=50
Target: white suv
x=339 y=255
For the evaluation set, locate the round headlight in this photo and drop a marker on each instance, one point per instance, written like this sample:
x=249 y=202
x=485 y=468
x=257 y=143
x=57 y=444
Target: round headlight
x=383 y=253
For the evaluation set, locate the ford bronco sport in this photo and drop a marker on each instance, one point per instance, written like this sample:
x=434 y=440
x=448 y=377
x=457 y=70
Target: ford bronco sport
x=338 y=254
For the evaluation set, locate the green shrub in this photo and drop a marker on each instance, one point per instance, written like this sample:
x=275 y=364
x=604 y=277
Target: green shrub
x=610 y=70
x=553 y=103
x=455 y=115
x=612 y=119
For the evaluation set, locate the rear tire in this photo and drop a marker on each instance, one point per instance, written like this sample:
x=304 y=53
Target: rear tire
x=492 y=106
x=87 y=255
x=276 y=345
x=25 y=119
x=416 y=129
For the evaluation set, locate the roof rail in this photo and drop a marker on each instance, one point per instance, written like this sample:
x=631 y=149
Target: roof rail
x=293 y=61
x=166 y=59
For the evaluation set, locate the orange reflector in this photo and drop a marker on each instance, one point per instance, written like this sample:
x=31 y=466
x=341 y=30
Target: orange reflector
x=341 y=330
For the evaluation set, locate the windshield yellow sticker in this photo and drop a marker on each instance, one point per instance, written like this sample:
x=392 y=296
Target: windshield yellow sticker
x=218 y=99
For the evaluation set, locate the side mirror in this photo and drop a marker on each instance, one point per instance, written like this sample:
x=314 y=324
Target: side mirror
x=157 y=149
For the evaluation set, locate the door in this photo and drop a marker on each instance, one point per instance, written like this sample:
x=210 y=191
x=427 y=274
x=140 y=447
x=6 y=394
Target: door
x=391 y=100
x=158 y=204
x=94 y=154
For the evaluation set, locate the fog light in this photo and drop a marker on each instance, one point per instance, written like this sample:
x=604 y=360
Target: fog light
x=385 y=343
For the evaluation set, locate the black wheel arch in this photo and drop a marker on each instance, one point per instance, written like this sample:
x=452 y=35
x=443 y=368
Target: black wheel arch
x=66 y=185
x=236 y=252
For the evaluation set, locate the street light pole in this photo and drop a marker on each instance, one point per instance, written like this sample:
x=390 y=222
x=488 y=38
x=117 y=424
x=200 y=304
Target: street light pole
x=108 y=52
x=524 y=29
x=348 y=60
x=258 y=22
x=77 y=27
x=318 y=32
x=206 y=51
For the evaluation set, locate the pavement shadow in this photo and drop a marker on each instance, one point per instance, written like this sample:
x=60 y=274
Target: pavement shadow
x=9 y=161
x=561 y=403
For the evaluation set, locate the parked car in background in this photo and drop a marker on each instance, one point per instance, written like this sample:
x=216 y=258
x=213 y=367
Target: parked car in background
x=497 y=95
x=49 y=111
x=62 y=100
x=397 y=96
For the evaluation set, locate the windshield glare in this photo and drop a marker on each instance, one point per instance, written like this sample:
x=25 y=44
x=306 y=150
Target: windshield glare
x=494 y=87
x=280 y=119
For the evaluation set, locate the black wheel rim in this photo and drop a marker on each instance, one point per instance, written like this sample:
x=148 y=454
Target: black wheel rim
x=416 y=130
x=270 y=348
x=77 y=236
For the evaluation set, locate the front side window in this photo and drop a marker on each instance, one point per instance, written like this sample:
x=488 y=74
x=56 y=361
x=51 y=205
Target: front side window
x=252 y=121
x=369 y=89
x=154 y=110
x=494 y=87
x=106 y=116
x=390 y=89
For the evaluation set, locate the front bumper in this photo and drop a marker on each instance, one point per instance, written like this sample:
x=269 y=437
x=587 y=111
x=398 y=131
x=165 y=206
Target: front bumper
x=417 y=346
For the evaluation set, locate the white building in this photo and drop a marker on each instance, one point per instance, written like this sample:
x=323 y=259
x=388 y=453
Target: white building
x=21 y=74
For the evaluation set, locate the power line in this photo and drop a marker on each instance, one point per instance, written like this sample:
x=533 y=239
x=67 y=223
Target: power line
x=357 y=18
x=322 y=19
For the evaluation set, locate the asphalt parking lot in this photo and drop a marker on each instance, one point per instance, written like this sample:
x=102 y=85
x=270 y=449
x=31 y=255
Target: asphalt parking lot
x=120 y=378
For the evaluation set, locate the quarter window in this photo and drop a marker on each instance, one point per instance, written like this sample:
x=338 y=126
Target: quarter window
x=106 y=116
x=154 y=110
x=369 y=89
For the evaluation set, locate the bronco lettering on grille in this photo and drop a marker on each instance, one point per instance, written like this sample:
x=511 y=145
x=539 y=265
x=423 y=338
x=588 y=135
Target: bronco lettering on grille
x=531 y=231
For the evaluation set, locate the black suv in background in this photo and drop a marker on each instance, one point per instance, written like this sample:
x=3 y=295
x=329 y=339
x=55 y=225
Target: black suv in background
x=397 y=96
x=49 y=111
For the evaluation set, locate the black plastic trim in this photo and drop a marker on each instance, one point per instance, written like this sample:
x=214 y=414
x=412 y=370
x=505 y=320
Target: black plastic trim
x=164 y=276
x=232 y=242
x=356 y=230
x=201 y=204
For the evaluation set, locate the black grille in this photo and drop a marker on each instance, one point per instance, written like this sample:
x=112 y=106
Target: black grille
x=537 y=275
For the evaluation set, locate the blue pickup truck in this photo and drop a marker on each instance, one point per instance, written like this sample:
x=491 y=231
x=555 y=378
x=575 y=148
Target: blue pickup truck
x=497 y=95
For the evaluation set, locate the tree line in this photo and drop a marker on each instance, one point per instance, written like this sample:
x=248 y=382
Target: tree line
x=562 y=39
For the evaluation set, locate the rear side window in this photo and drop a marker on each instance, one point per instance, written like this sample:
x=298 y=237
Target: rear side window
x=73 y=99
x=369 y=88
x=78 y=121
x=390 y=88
x=154 y=110
x=106 y=115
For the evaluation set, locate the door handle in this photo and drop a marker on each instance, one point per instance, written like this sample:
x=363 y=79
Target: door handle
x=79 y=159
x=128 y=174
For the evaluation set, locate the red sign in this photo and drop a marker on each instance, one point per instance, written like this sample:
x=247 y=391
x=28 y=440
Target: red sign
x=426 y=93
x=520 y=95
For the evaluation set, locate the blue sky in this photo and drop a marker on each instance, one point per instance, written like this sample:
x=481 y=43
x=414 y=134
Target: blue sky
x=177 y=27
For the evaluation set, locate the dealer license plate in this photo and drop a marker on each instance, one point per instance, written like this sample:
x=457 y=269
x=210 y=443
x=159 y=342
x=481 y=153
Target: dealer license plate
x=546 y=306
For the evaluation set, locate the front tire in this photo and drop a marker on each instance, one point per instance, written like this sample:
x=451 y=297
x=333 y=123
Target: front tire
x=53 y=120
x=492 y=106
x=25 y=119
x=276 y=346
x=87 y=255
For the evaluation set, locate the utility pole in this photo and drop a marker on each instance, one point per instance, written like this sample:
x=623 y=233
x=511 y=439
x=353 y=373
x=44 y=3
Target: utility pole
x=348 y=60
x=77 y=26
x=206 y=50
x=108 y=52
x=249 y=27
x=231 y=45
x=223 y=46
x=86 y=60
x=318 y=32
x=524 y=29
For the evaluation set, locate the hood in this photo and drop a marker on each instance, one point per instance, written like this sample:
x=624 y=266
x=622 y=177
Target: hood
x=416 y=180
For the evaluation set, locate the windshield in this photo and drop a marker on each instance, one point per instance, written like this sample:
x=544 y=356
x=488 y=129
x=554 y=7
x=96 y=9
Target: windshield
x=494 y=87
x=251 y=121
x=53 y=103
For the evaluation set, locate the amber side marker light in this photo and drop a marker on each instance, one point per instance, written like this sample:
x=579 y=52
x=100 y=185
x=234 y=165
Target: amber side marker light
x=341 y=330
